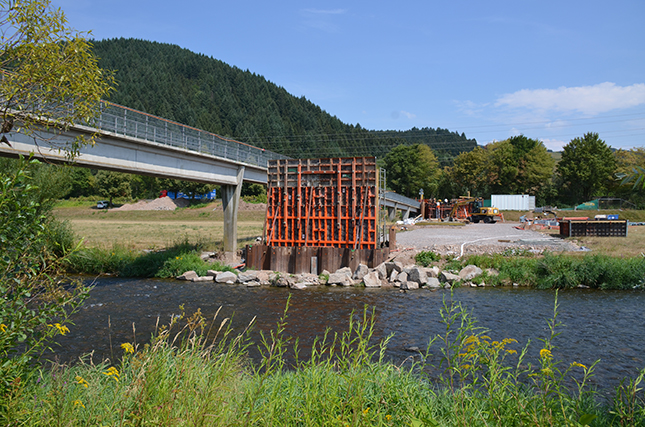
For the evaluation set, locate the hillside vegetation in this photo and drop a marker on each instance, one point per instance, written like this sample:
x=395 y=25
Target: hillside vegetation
x=206 y=93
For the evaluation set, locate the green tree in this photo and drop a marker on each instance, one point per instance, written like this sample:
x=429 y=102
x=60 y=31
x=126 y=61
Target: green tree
x=411 y=168
x=113 y=184
x=49 y=76
x=586 y=168
x=469 y=172
x=535 y=166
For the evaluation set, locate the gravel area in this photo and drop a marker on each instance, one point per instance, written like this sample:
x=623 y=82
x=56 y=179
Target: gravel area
x=479 y=239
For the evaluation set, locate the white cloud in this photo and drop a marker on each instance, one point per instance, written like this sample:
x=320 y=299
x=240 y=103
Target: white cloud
x=554 y=144
x=397 y=114
x=592 y=100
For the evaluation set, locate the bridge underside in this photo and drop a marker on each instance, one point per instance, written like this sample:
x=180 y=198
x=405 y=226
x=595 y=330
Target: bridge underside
x=131 y=155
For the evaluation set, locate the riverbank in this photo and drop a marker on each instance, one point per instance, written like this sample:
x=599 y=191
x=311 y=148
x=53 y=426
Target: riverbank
x=460 y=378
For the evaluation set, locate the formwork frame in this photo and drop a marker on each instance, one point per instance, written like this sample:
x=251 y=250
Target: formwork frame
x=323 y=203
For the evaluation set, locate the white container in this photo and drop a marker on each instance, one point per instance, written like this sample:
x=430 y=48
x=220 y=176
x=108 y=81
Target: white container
x=513 y=202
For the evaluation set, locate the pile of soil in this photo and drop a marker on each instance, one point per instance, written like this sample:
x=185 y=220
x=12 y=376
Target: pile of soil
x=161 y=204
x=168 y=204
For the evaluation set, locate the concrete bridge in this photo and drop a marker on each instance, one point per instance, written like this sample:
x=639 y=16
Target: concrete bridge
x=135 y=142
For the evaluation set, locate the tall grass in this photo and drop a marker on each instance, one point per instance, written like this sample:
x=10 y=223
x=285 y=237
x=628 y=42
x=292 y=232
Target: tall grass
x=553 y=271
x=197 y=373
x=170 y=262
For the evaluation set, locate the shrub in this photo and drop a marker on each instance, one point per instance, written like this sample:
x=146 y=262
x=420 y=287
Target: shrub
x=426 y=258
x=35 y=301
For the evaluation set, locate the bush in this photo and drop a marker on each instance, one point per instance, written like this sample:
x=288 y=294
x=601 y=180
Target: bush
x=35 y=300
x=426 y=258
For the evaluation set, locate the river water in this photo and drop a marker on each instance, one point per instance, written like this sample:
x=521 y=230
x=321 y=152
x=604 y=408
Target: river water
x=605 y=325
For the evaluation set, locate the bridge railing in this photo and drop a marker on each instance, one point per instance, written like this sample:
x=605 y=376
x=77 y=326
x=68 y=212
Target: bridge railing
x=125 y=121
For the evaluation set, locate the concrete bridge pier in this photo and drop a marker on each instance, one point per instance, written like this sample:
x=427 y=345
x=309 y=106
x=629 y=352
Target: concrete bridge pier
x=230 y=203
x=391 y=213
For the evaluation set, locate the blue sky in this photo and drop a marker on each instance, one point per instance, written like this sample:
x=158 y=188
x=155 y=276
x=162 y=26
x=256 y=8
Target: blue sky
x=551 y=70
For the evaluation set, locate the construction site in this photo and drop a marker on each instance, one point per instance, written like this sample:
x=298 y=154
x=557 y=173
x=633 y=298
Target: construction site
x=325 y=214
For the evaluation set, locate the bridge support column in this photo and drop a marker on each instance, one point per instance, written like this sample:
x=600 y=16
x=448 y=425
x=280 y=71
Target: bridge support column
x=230 y=203
x=391 y=214
x=406 y=213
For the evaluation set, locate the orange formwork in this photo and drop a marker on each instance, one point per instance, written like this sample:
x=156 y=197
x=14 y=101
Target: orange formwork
x=323 y=202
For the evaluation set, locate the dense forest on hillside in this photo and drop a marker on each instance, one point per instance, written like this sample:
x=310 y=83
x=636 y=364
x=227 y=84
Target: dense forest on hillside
x=206 y=93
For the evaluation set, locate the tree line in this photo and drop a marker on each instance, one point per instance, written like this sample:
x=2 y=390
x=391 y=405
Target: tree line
x=588 y=168
x=206 y=93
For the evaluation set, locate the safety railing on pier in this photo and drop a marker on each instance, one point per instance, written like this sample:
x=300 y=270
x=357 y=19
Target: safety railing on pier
x=126 y=121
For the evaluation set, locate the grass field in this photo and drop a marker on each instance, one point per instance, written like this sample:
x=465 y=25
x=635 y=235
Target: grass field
x=157 y=229
x=140 y=230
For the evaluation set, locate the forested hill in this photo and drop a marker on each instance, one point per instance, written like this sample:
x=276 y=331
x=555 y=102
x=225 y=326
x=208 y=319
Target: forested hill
x=206 y=93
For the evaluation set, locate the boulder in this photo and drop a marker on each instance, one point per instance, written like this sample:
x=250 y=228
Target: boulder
x=393 y=266
x=202 y=279
x=360 y=272
x=433 y=272
x=433 y=283
x=492 y=272
x=253 y=284
x=470 y=272
x=446 y=277
x=188 y=275
x=402 y=277
x=372 y=280
x=213 y=273
x=341 y=279
x=409 y=285
x=226 y=277
x=393 y=275
x=381 y=269
x=247 y=276
x=307 y=279
x=418 y=275
x=263 y=277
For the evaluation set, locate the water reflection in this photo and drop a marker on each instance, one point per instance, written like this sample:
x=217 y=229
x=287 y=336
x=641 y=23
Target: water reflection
x=596 y=324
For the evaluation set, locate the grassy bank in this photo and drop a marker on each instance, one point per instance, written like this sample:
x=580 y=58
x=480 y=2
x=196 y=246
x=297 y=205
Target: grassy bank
x=125 y=262
x=194 y=373
x=548 y=271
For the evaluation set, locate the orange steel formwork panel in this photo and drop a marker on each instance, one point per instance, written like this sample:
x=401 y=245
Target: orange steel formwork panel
x=323 y=202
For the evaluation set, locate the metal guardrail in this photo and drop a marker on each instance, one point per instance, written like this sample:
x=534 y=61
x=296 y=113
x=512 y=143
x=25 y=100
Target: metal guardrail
x=125 y=121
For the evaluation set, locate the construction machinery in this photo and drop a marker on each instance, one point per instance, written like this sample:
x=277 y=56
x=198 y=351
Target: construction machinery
x=472 y=209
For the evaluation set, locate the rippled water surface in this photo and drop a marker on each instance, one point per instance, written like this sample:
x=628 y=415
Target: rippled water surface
x=606 y=325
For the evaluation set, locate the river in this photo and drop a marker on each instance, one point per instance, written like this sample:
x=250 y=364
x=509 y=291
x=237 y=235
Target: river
x=605 y=325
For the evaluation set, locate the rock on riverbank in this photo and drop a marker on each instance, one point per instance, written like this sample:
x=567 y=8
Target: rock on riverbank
x=391 y=274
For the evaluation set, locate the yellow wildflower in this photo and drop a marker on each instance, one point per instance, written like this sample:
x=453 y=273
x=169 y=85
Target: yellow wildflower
x=545 y=353
x=511 y=351
x=127 y=347
x=579 y=365
x=82 y=381
x=3 y=327
x=366 y=410
x=113 y=373
x=79 y=403
x=388 y=417
x=547 y=371
x=62 y=329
